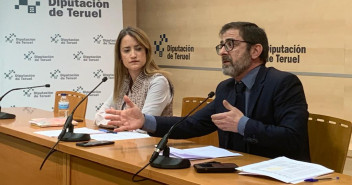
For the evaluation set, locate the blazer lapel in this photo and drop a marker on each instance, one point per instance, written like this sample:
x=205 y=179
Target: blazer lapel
x=257 y=89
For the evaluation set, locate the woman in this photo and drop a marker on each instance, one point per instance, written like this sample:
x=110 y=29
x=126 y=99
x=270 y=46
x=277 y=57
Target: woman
x=138 y=76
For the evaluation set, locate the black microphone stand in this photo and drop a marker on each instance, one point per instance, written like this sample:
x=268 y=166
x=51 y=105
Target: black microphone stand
x=164 y=161
x=4 y=115
x=69 y=135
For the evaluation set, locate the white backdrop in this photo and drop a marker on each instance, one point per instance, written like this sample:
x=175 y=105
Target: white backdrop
x=68 y=44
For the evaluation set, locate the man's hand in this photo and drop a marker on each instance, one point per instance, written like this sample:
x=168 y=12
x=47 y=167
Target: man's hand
x=129 y=119
x=228 y=121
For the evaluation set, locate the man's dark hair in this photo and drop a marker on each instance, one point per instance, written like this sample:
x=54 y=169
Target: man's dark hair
x=252 y=33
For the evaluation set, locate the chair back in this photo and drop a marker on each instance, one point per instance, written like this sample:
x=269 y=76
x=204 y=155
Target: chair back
x=188 y=104
x=74 y=98
x=329 y=140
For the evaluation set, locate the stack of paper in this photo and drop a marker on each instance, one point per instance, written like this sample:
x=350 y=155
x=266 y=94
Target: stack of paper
x=285 y=169
x=201 y=153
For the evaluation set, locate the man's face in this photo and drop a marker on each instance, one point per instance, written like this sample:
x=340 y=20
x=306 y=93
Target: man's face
x=238 y=60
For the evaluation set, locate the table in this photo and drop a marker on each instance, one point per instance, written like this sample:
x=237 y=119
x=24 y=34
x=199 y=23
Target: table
x=22 y=151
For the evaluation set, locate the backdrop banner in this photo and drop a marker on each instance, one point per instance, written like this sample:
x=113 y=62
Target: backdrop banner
x=68 y=44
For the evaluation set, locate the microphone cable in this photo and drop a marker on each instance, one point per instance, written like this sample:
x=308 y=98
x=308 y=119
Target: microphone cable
x=52 y=150
x=134 y=175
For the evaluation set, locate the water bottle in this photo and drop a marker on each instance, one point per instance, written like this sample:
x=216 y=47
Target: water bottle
x=63 y=105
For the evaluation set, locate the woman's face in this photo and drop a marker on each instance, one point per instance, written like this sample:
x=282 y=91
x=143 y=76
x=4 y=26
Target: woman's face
x=133 y=54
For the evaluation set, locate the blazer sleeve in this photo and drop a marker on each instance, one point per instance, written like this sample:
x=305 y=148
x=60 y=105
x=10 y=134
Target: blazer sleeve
x=285 y=129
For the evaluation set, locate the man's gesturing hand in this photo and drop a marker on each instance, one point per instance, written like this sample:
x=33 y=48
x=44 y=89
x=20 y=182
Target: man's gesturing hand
x=129 y=119
x=227 y=121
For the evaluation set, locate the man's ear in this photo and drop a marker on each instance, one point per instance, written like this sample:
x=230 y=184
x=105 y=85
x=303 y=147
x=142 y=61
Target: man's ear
x=256 y=50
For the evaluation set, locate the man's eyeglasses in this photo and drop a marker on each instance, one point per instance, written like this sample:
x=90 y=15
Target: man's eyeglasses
x=229 y=45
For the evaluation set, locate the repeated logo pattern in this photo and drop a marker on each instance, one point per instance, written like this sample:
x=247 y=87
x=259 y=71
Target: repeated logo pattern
x=78 y=89
x=10 y=74
x=98 y=38
x=28 y=92
x=29 y=55
x=55 y=38
x=10 y=38
x=78 y=55
x=97 y=107
x=98 y=74
x=55 y=74
x=57 y=57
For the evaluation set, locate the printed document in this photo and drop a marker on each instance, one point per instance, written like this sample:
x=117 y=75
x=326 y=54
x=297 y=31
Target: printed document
x=285 y=169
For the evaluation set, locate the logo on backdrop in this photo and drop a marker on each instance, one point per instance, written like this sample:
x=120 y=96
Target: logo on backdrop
x=100 y=73
x=172 y=51
x=69 y=7
x=43 y=94
x=37 y=94
x=11 y=74
x=78 y=89
x=30 y=8
x=80 y=56
x=97 y=107
x=57 y=74
x=12 y=39
x=28 y=92
x=31 y=56
x=81 y=90
x=286 y=54
x=58 y=39
x=99 y=39
x=159 y=45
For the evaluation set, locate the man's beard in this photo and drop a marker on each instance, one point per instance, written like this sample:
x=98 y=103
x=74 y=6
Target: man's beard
x=236 y=68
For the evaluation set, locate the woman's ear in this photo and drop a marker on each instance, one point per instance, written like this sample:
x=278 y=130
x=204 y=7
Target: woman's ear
x=256 y=50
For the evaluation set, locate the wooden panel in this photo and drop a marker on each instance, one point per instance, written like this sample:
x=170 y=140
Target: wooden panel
x=20 y=161
x=197 y=23
x=129 y=8
x=91 y=173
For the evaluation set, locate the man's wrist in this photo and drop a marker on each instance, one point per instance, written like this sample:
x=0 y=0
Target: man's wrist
x=149 y=123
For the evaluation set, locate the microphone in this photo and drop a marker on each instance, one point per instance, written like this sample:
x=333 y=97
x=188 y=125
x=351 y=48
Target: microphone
x=4 y=115
x=165 y=161
x=70 y=136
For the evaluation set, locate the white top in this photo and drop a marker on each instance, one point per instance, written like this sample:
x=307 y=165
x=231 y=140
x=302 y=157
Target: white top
x=158 y=97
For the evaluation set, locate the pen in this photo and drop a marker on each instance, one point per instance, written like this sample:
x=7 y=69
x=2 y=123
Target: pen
x=108 y=131
x=319 y=179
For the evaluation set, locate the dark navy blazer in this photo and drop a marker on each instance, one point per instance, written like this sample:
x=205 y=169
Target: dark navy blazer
x=278 y=114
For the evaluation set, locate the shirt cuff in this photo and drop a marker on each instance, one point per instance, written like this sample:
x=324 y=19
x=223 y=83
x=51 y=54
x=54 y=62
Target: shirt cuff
x=242 y=125
x=149 y=123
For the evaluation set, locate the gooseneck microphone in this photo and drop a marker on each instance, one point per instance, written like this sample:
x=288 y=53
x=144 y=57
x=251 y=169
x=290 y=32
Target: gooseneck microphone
x=4 y=115
x=69 y=135
x=165 y=161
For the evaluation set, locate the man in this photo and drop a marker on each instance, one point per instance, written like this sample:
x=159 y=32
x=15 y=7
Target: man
x=267 y=118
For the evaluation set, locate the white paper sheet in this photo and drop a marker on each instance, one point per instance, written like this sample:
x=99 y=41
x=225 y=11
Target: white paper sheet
x=285 y=169
x=201 y=153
